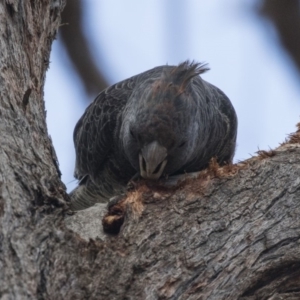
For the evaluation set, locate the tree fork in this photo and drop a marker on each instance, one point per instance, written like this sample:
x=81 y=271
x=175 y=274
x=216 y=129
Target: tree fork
x=233 y=233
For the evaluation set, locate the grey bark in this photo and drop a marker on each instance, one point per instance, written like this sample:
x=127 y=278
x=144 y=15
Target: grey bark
x=230 y=234
x=233 y=233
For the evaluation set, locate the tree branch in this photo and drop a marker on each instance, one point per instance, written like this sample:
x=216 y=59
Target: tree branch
x=285 y=15
x=77 y=46
x=234 y=233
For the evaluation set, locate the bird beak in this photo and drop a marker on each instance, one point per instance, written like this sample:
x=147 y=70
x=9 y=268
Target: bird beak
x=152 y=160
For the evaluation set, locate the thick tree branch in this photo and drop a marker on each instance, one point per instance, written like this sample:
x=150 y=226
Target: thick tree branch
x=30 y=189
x=231 y=234
x=77 y=46
x=285 y=15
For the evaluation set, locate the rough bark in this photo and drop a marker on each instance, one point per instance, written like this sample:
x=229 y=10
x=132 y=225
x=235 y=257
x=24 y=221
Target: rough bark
x=30 y=189
x=233 y=233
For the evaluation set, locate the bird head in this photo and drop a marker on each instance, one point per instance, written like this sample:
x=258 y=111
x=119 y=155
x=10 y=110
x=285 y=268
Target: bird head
x=159 y=129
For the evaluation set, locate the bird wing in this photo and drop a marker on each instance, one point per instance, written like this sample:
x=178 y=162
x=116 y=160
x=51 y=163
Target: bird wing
x=93 y=134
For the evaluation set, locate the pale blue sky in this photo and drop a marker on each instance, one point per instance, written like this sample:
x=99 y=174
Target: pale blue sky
x=133 y=36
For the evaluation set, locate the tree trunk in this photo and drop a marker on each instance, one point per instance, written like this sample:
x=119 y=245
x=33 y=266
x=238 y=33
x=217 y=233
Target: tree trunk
x=232 y=233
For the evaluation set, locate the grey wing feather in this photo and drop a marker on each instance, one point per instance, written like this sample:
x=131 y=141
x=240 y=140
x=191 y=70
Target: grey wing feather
x=93 y=134
x=94 y=139
x=226 y=135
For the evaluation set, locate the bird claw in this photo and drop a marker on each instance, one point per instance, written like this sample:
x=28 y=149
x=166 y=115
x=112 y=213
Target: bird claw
x=131 y=185
x=114 y=218
x=114 y=201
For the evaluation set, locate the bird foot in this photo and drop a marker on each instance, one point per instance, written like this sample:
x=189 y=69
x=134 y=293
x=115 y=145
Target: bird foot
x=114 y=201
x=133 y=182
x=114 y=217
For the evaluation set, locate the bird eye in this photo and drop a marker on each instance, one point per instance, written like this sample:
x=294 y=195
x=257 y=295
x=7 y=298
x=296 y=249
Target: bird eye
x=182 y=144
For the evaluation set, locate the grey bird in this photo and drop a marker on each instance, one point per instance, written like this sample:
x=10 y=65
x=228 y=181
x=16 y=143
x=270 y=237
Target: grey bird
x=163 y=122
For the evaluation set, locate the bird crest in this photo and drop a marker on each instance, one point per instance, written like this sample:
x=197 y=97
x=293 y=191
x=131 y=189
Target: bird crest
x=184 y=72
x=178 y=78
